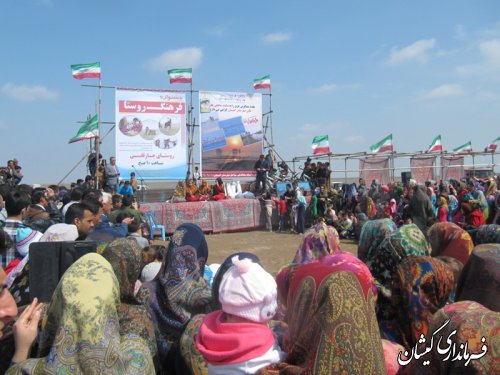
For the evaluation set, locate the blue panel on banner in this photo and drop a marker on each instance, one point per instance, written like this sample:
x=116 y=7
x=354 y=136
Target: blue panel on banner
x=281 y=187
x=213 y=140
x=232 y=126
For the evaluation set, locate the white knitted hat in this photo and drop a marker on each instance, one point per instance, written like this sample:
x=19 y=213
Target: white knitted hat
x=248 y=291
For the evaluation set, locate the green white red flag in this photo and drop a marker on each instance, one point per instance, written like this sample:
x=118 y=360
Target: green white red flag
x=466 y=147
x=384 y=145
x=492 y=147
x=263 y=82
x=81 y=71
x=181 y=75
x=320 y=145
x=90 y=129
x=436 y=145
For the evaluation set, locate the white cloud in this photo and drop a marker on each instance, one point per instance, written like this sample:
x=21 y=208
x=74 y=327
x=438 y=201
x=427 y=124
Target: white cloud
x=326 y=87
x=176 y=58
x=416 y=51
x=444 y=91
x=276 y=38
x=491 y=51
x=489 y=67
x=218 y=31
x=27 y=93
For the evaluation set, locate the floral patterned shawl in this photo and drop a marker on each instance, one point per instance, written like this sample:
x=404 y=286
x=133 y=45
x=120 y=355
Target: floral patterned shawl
x=448 y=239
x=179 y=291
x=468 y=323
x=81 y=333
x=331 y=318
x=125 y=256
x=372 y=235
x=422 y=285
x=319 y=241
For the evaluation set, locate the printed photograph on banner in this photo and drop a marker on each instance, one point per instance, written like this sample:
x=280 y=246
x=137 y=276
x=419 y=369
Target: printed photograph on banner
x=151 y=135
x=231 y=133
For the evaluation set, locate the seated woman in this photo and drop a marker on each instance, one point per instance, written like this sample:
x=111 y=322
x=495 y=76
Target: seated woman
x=218 y=191
x=125 y=256
x=81 y=333
x=179 y=193
x=326 y=333
x=179 y=292
x=448 y=239
x=319 y=240
x=372 y=234
x=204 y=191
x=192 y=194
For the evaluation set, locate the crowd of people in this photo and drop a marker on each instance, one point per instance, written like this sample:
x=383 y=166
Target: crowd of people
x=426 y=270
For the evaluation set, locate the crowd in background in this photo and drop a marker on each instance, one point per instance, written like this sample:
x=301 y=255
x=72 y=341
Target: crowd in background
x=427 y=263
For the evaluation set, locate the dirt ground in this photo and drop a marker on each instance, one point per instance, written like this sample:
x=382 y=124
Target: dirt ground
x=273 y=249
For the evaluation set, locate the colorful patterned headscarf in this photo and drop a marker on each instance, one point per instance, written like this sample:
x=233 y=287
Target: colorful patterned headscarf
x=422 y=285
x=448 y=239
x=468 y=323
x=179 y=291
x=81 y=333
x=372 y=235
x=125 y=256
x=331 y=319
x=319 y=241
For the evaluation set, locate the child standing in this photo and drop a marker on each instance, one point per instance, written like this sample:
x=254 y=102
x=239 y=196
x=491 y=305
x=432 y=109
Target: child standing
x=237 y=339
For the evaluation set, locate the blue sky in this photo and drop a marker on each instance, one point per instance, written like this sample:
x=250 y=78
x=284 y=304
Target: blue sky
x=355 y=70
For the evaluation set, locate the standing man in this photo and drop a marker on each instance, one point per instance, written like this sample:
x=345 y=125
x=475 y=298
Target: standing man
x=261 y=167
x=112 y=174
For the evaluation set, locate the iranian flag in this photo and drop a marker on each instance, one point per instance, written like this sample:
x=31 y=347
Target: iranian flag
x=262 y=82
x=466 y=147
x=492 y=147
x=383 y=146
x=436 y=145
x=181 y=75
x=90 y=129
x=320 y=145
x=81 y=71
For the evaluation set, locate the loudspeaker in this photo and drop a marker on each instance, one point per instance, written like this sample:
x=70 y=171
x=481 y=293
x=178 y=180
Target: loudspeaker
x=405 y=177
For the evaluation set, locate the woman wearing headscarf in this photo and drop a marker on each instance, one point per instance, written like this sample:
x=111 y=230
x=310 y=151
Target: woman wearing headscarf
x=448 y=239
x=442 y=209
x=204 y=190
x=125 y=256
x=372 y=235
x=480 y=278
x=179 y=292
x=422 y=285
x=192 y=194
x=179 y=192
x=218 y=191
x=319 y=241
x=331 y=318
x=406 y=241
x=81 y=333
x=462 y=327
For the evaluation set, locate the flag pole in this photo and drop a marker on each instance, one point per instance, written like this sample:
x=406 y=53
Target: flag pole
x=98 y=138
x=191 y=130
x=271 y=115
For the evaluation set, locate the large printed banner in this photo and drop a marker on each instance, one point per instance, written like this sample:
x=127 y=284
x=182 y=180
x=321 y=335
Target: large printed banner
x=453 y=167
x=422 y=168
x=374 y=169
x=151 y=134
x=231 y=133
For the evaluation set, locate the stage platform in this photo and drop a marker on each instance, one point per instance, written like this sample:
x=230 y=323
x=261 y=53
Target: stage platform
x=228 y=215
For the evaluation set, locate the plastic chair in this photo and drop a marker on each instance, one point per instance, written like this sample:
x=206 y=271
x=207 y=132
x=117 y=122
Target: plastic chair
x=153 y=226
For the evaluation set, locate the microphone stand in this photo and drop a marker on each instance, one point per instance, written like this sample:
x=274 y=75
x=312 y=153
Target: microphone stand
x=142 y=183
